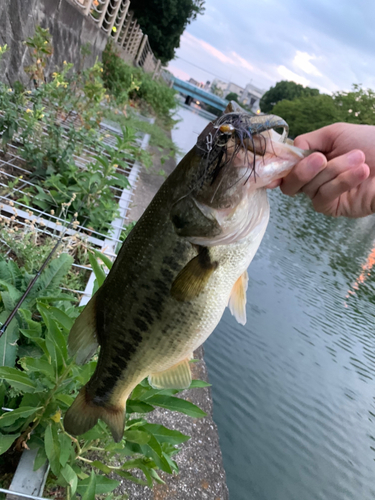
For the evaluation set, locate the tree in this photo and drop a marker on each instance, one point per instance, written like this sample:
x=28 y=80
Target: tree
x=164 y=22
x=357 y=106
x=284 y=90
x=232 y=96
x=217 y=90
x=308 y=113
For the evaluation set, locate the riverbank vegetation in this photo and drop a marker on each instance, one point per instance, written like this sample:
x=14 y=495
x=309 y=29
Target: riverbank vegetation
x=306 y=109
x=71 y=170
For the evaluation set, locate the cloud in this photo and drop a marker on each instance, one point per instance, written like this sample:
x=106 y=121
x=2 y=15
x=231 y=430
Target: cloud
x=324 y=45
x=287 y=74
x=302 y=61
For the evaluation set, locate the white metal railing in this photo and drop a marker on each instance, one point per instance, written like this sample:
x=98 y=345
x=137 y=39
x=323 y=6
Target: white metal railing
x=115 y=18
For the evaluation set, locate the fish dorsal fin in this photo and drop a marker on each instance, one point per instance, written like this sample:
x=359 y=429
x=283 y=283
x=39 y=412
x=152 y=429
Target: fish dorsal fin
x=83 y=340
x=176 y=377
x=193 y=278
x=237 y=299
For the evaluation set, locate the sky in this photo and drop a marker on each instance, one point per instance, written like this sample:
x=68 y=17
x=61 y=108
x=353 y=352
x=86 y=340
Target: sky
x=322 y=44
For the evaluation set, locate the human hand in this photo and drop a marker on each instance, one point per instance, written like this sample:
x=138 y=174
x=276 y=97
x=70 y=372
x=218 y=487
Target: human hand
x=341 y=181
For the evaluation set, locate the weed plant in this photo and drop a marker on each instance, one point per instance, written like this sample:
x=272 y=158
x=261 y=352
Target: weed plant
x=38 y=382
x=126 y=82
x=52 y=123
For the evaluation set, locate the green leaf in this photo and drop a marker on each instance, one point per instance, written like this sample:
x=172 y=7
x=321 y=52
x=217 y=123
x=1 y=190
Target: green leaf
x=65 y=447
x=177 y=404
x=11 y=417
x=199 y=383
x=65 y=321
x=51 y=277
x=52 y=448
x=106 y=260
x=165 y=435
x=65 y=398
x=35 y=337
x=70 y=477
x=3 y=391
x=156 y=476
x=11 y=296
x=130 y=477
x=40 y=459
x=17 y=379
x=6 y=441
x=89 y=493
x=99 y=465
x=38 y=365
x=98 y=270
x=153 y=450
x=134 y=406
x=55 y=334
x=8 y=342
x=103 y=485
x=137 y=436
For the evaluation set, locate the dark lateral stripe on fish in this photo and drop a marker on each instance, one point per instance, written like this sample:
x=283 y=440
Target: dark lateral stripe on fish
x=140 y=324
x=173 y=264
x=147 y=316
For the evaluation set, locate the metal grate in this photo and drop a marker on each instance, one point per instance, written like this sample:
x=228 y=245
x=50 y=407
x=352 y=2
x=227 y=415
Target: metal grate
x=14 y=212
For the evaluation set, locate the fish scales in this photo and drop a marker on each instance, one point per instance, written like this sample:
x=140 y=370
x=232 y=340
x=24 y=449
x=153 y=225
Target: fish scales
x=180 y=266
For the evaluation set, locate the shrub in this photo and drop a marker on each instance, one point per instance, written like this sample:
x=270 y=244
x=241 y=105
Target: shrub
x=126 y=82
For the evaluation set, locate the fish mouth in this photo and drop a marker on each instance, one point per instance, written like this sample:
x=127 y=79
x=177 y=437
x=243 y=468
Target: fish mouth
x=233 y=136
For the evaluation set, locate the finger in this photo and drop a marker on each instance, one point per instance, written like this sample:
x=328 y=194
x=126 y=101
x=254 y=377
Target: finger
x=330 y=192
x=334 y=168
x=319 y=140
x=303 y=173
x=273 y=184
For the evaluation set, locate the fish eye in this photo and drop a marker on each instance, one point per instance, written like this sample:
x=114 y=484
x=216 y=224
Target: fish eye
x=227 y=128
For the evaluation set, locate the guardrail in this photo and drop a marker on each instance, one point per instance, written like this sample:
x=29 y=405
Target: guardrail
x=115 y=18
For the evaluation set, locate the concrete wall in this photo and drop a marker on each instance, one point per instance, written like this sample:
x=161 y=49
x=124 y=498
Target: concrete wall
x=69 y=28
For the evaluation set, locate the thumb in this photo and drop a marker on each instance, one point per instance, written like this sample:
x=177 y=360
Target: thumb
x=319 y=140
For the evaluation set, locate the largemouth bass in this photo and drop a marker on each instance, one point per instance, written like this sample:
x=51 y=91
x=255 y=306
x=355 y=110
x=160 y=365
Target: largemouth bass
x=184 y=261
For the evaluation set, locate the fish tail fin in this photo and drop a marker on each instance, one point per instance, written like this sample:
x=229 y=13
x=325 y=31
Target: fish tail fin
x=84 y=414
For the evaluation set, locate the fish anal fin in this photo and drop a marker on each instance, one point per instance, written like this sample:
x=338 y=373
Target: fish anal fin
x=176 y=377
x=193 y=278
x=84 y=414
x=237 y=299
x=83 y=339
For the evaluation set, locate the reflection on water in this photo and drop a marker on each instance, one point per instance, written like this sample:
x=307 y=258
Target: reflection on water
x=294 y=390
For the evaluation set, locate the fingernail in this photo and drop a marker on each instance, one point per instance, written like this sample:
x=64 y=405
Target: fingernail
x=316 y=162
x=355 y=157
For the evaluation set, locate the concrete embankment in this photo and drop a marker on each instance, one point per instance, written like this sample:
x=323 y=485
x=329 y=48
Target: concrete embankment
x=201 y=475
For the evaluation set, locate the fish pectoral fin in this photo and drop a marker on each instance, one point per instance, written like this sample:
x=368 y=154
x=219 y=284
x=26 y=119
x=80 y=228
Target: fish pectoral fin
x=83 y=340
x=193 y=278
x=237 y=299
x=176 y=377
x=84 y=414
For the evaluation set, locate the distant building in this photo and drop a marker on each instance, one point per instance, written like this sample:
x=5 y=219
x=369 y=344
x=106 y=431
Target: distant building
x=207 y=86
x=233 y=87
x=195 y=82
x=251 y=96
x=219 y=87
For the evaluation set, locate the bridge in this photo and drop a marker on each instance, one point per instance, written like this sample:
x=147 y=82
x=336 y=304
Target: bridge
x=194 y=92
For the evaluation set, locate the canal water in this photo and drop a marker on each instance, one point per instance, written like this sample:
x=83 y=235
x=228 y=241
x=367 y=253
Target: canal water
x=294 y=389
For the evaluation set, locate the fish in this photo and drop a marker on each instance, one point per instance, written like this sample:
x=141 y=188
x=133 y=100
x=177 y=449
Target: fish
x=182 y=264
